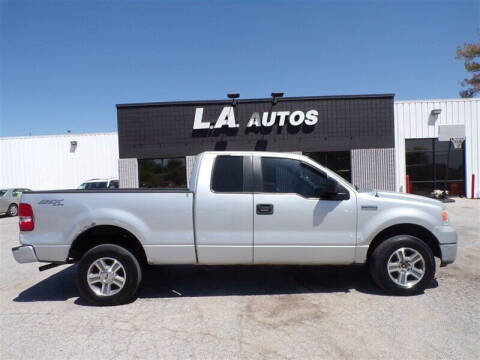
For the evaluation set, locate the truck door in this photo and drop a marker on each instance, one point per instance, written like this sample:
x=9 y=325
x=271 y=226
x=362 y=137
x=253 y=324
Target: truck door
x=223 y=209
x=295 y=221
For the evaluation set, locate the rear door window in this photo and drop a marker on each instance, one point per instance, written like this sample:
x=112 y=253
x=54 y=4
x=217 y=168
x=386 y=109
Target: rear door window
x=228 y=174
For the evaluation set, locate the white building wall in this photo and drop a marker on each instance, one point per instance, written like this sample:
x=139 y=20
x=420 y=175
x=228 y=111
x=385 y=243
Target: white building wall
x=51 y=162
x=413 y=120
x=373 y=168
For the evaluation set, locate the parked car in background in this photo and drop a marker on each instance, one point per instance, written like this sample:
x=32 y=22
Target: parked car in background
x=96 y=184
x=9 y=199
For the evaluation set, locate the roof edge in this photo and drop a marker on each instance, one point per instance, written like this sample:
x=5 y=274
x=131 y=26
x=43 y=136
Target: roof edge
x=227 y=101
x=57 y=135
x=436 y=100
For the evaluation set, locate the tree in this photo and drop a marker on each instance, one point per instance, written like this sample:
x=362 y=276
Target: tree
x=470 y=54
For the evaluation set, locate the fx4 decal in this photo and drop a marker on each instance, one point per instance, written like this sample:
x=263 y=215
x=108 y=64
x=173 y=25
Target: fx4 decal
x=54 y=202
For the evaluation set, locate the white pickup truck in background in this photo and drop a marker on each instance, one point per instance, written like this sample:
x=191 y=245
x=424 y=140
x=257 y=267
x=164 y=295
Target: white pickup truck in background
x=240 y=208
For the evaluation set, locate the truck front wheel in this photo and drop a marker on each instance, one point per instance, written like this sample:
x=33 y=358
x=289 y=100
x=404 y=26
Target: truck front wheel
x=108 y=275
x=402 y=265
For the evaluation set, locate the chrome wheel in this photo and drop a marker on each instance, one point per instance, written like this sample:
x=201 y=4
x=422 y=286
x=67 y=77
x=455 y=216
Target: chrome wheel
x=406 y=267
x=106 y=276
x=13 y=210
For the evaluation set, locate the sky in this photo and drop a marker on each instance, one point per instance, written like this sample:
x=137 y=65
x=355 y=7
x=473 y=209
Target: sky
x=65 y=64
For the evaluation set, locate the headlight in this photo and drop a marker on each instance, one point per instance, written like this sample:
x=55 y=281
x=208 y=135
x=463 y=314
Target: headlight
x=444 y=217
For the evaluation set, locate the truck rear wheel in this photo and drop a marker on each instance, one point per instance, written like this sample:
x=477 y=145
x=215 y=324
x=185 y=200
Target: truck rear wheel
x=108 y=275
x=402 y=265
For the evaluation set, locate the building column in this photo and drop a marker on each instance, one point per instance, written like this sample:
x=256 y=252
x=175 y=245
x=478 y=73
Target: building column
x=189 y=161
x=373 y=168
x=128 y=173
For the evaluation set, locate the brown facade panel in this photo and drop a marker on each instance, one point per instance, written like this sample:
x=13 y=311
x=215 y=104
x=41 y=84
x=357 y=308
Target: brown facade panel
x=342 y=123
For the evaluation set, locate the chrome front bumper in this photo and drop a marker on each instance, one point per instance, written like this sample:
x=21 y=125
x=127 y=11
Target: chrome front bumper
x=24 y=254
x=449 y=253
x=447 y=236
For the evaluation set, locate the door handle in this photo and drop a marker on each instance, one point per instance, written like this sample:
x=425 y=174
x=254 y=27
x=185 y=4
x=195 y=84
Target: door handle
x=264 y=209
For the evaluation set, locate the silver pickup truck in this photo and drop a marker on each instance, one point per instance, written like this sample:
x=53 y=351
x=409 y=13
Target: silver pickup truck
x=240 y=208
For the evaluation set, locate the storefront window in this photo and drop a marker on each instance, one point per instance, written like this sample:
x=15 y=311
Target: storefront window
x=162 y=173
x=338 y=161
x=426 y=162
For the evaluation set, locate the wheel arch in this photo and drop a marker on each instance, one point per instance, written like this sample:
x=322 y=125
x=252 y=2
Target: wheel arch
x=415 y=230
x=106 y=234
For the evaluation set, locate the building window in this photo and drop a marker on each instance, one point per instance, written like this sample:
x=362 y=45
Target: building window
x=162 y=173
x=228 y=174
x=337 y=161
x=426 y=165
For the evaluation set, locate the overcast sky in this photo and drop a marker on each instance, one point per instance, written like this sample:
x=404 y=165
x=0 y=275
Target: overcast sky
x=65 y=64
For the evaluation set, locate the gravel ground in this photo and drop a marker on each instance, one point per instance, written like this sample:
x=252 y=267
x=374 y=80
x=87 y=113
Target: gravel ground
x=245 y=312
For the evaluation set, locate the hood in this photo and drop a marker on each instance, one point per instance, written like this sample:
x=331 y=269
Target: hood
x=406 y=197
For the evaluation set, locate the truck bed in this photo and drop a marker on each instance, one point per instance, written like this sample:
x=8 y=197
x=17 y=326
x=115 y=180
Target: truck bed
x=74 y=191
x=161 y=219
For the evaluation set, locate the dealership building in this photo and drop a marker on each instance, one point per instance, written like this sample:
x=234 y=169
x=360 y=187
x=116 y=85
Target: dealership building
x=370 y=140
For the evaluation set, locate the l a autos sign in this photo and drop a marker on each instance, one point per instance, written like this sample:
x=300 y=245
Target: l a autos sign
x=227 y=119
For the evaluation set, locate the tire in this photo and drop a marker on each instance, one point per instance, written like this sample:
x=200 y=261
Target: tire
x=12 y=210
x=106 y=265
x=408 y=277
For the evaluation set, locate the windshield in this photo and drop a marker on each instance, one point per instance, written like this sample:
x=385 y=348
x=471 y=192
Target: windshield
x=3 y=192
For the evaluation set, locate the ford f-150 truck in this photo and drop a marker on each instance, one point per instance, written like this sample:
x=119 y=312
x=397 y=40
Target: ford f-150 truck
x=240 y=208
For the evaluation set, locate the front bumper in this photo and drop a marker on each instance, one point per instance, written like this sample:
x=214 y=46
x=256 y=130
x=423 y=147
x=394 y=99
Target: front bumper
x=449 y=253
x=24 y=254
x=447 y=237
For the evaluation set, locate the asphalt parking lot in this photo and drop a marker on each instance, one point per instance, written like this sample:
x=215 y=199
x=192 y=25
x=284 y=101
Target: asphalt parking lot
x=245 y=312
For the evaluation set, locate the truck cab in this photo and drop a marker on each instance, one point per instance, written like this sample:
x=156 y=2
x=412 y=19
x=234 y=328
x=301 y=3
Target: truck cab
x=269 y=208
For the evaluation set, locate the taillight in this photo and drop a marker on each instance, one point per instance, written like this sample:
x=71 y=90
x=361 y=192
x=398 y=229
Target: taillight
x=25 y=217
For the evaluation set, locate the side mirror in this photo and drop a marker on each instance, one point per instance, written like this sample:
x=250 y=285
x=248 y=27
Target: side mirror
x=332 y=191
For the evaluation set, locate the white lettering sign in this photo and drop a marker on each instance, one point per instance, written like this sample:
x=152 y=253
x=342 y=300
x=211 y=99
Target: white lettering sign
x=265 y=119
x=312 y=117
x=197 y=122
x=226 y=118
x=254 y=120
x=296 y=118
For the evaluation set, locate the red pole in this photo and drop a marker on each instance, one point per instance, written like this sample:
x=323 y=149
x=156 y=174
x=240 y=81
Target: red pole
x=408 y=184
x=473 y=186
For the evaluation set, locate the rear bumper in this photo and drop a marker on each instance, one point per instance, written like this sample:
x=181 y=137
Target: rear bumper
x=24 y=254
